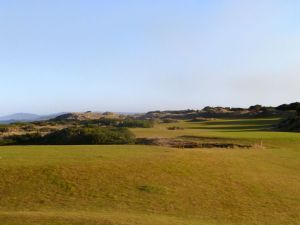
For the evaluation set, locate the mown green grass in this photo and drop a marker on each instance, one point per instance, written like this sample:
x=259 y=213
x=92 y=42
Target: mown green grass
x=147 y=185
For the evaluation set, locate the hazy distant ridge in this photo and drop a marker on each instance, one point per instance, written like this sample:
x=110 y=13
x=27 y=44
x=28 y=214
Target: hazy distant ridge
x=26 y=117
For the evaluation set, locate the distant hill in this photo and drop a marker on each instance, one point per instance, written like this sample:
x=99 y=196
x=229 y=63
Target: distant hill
x=82 y=116
x=20 y=117
x=214 y=112
x=255 y=111
x=26 y=117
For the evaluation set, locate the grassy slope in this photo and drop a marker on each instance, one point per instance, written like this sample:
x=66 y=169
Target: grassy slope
x=154 y=185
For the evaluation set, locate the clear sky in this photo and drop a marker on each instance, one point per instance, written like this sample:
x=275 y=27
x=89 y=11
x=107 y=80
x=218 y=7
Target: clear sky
x=117 y=55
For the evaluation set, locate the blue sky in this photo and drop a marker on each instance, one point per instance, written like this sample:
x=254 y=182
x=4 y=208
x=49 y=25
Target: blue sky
x=116 y=55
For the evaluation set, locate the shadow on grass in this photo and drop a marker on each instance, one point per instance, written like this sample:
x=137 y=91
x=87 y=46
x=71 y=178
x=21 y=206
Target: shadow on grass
x=245 y=125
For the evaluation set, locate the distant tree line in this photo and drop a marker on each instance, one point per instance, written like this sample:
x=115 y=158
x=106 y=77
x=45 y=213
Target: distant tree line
x=292 y=106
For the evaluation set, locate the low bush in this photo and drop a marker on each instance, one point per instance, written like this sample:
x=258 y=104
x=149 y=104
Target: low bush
x=25 y=139
x=169 y=120
x=3 y=129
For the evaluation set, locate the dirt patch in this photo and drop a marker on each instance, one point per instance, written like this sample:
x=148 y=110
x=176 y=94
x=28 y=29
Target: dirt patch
x=206 y=138
x=175 y=143
x=175 y=128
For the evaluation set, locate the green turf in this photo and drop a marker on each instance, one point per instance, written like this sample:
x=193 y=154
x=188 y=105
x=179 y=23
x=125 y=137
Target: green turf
x=147 y=185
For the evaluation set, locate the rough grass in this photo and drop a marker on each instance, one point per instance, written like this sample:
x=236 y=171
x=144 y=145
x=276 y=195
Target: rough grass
x=147 y=185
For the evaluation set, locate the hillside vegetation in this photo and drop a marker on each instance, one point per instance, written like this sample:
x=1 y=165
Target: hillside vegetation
x=255 y=111
x=76 y=136
x=292 y=123
x=111 y=128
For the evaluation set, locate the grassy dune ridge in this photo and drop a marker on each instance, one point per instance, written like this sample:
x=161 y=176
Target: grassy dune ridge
x=136 y=184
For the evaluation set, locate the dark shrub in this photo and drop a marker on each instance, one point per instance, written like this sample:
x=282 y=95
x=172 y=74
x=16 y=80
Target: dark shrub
x=78 y=136
x=175 y=128
x=136 y=123
x=4 y=129
x=169 y=120
x=298 y=112
x=256 y=108
x=292 y=106
x=28 y=128
x=102 y=122
x=26 y=139
x=108 y=113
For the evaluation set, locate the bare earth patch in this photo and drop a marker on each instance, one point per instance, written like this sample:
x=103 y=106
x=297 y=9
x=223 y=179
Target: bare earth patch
x=175 y=143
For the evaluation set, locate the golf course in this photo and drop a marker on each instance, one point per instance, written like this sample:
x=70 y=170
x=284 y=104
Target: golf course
x=139 y=184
